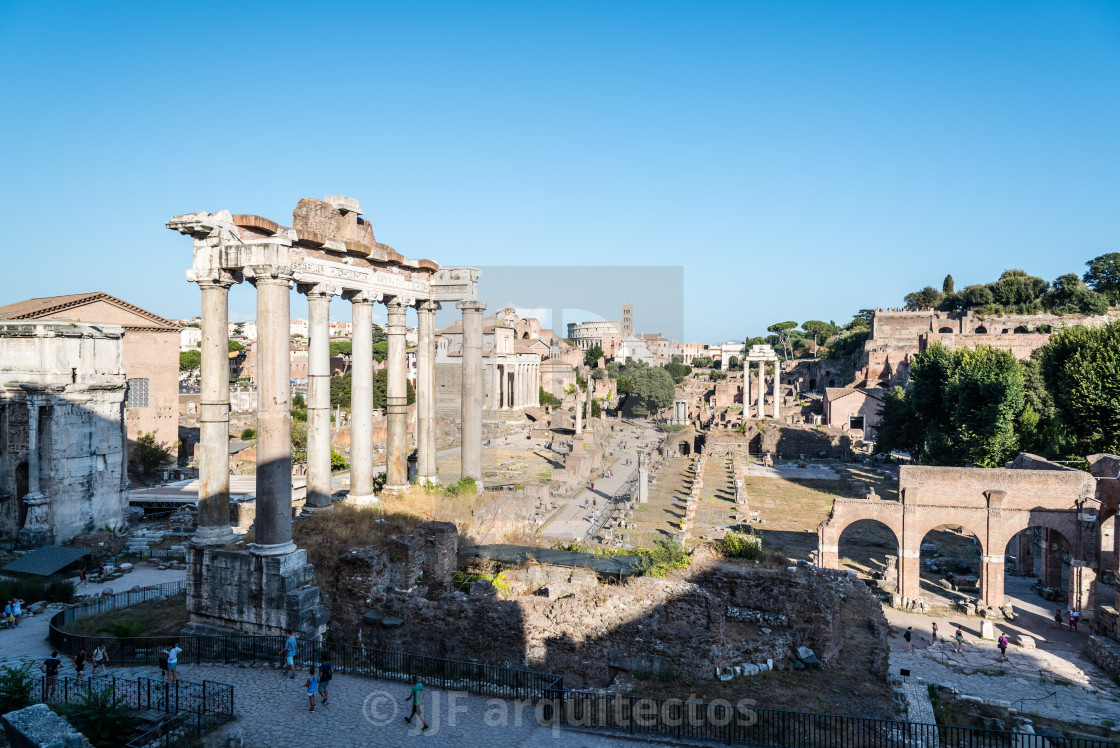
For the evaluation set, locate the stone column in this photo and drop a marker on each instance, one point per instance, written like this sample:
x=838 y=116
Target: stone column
x=777 y=385
x=1051 y=558
x=318 y=397
x=36 y=530
x=643 y=478
x=1082 y=587
x=396 y=398
x=274 y=417
x=361 y=402
x=992 y=570
x=1024 y=557
x=761 y=389
x=579 y=413
x=471 y=451
x=213 y=418
x=426 y=392
x=909 y=573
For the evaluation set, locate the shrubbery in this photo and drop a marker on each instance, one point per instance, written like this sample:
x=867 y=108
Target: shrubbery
x=663 y=558
x=746 y=545
x=33 y=590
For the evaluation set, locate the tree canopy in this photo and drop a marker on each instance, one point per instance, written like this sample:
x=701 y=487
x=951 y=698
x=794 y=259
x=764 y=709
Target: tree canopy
x=190 y=360
x=592 y=355
x=651 y=390
x=1103 y=275
x=784 y=332
x=1081 y=371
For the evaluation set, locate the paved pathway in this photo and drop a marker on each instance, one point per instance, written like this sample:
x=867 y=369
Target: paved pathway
x=1055 y=680
x=29 y=640
x=273 y=711
x=574 y=520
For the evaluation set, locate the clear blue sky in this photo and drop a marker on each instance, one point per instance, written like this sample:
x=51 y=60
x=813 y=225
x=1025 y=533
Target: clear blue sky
x=800 y=159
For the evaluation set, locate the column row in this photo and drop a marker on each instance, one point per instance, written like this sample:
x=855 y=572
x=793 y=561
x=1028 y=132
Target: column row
x=273 y=476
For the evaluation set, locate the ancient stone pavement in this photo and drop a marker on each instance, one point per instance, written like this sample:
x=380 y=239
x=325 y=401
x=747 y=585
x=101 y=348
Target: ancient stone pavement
x=1054 y=680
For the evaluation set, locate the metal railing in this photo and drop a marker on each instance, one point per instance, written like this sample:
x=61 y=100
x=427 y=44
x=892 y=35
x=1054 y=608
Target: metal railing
x=141 y=694
x=746 y=725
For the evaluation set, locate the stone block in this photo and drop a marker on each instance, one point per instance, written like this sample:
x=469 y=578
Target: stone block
x=1024 y=641
x=38 y=727
x=987 y=630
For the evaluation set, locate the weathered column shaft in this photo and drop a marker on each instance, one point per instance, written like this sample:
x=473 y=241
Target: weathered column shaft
x=274 y=416
x=396 y=398
x=213 y=418
x=761 y=389
x=425 y=391
x=1024 y=556
x=361 y=402
x=319 y=399
x=471 y=451
x=992 y=570
x=777 y=387
x=34 y=486
x=1051 y=558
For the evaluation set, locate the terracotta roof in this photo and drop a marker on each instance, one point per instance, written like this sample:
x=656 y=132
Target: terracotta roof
x=55 y=307
x=835 y=393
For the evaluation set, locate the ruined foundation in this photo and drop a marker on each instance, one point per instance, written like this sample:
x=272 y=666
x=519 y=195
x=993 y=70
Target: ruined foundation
x=241 y=593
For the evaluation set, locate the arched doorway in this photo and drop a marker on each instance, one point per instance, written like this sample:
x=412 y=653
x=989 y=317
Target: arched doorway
x=981 y=330
x=870 y=548
x=946 y=330
x=950 y=560
x=683 y=448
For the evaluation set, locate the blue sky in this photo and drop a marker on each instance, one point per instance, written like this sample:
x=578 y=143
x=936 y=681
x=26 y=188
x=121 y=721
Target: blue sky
x=800 y=160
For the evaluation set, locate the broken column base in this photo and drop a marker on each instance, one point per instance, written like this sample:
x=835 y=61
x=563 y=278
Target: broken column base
x=29 y=539
x=240 y=592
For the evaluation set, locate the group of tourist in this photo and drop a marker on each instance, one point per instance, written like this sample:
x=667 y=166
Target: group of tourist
x=1073 y=619
x=51 y=666
x=958 y=640
x=13 y=609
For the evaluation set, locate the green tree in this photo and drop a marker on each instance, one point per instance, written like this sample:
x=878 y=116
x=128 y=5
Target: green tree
x=147 y=455
x=380 y=350
x=190 y=360
x=651 y=390
x=947 y=285
x=547 y=399
x=899 y=427
x=676 y=358
x=678 y=371
x=784 y=331
x=592 y=355
x=341 y=347
x=976 y=296
x=1017 y=288
x=299 y=440
x=1081 y=369
x=338 y=462
x=733 y=363
x=16 y=687
x=380 y=383
x=598 y=374
x=235 y=346
x=1069 y=294
x=819 y=332
x=847 y=344
x=379 y=334
x=248 y=434
x=928 y=298
x=1103 y=275
x=701 y=362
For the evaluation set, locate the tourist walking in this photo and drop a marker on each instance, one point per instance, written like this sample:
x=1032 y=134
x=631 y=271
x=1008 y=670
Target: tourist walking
x=1072 y=621
x=1002 y=644
x=312 y=686
x=907 y=635
x=959 y=638
x=1076 y=619
x=289 y=652
x=1057 y=619
x=933 y=639
x=82 y=577
x=326 y=672
x=100 y=658
x=80 y=664
x=17 y=608
x=9 y=617
x=172 y=661
x=50 y=668
x=416 y=695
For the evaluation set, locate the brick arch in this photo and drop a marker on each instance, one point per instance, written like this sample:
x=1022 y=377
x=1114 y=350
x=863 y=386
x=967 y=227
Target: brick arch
x=974 y=520
x=846 y=512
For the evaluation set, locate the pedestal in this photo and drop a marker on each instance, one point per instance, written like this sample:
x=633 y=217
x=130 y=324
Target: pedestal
x=241 y=591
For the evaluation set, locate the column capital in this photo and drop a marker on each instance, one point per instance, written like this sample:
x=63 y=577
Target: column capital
x=270 y=274
x=470 y=305
x=318 y=290
x=398 y=303
x=425 y=305
x=362 y=297
x=216 y=279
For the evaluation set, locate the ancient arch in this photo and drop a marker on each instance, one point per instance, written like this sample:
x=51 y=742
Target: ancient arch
x=994 y=504
x=946 y=329
x=849 y=545
x=981 y=330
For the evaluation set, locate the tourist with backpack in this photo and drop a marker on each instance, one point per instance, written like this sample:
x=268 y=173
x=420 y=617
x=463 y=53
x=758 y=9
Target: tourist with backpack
x=326 y=672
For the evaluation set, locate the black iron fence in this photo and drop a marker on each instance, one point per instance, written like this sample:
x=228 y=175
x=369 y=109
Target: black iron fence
x=744 y=724
x=141 y=694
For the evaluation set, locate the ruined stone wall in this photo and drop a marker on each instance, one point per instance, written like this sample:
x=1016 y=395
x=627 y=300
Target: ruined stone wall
x=966 y=487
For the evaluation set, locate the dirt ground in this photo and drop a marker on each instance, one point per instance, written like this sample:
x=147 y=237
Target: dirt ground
x=155 y=618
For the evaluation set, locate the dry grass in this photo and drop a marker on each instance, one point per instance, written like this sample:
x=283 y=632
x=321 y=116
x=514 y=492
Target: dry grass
x=154 y=618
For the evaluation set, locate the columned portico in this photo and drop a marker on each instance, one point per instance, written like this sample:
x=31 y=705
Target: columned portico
x=396 y=398
x=761 y=355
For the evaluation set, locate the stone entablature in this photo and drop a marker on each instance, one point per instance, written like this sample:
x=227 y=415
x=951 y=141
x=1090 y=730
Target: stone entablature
x=62 y=441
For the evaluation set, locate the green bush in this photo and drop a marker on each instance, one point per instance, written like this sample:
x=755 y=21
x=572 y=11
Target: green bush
x=666 y=556
x=53 y=590
x=746 y=545
x=102 y=717
x=248 y=434
x=464 y=485
x=125 y=629
x=16 y=685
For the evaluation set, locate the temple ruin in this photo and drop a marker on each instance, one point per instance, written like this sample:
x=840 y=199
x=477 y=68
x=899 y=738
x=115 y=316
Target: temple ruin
x=329 y=250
